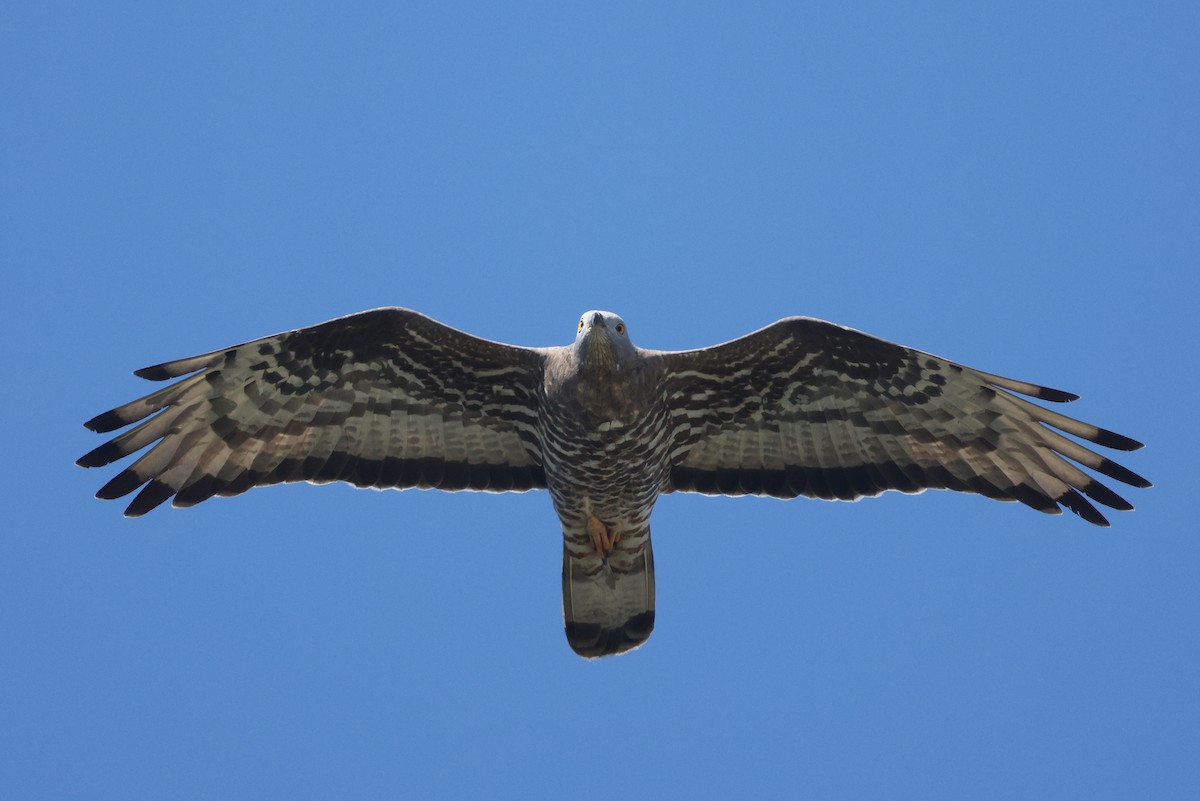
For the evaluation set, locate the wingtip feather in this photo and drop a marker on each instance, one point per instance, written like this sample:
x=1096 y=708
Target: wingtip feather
x=1056 y=395
x=1123 y=474
x=1101 y=494
x=1072 y=500
x=120 y=485
x=153 y=494
x=1120 y=442
x=156 y=372
x=105 y=422
x=98 y=457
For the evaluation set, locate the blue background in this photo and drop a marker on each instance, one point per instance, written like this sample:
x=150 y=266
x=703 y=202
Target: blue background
x=1012 y=185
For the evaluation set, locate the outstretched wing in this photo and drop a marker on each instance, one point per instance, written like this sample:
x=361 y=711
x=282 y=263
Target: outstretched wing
x=385 y=398
x=806 y=407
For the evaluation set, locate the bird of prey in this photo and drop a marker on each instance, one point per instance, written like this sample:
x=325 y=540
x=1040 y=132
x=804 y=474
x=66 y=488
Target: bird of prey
x=390 y=398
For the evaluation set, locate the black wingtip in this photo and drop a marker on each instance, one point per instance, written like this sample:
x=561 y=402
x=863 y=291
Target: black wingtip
x=98 y=457
x=1113 y=470
x=151 y=496
x=102 y=423
x=1072 y=500
x=120 y=485
x=1055 y=395
x=1102 y=494
x=156 y=372
x=1119 y=442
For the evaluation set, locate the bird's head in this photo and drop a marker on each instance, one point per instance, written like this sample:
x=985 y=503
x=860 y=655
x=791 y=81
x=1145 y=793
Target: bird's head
x=602 y=341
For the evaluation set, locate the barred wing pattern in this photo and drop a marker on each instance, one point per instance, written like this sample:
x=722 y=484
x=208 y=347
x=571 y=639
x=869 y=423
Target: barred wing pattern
x=384 y=398
x=806 y=407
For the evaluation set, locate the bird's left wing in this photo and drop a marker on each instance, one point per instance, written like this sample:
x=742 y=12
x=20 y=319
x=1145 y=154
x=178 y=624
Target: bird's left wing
x=806 y=407
x=384 y=398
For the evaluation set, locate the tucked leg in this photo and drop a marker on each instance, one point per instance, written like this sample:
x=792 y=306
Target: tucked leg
x=603 y=539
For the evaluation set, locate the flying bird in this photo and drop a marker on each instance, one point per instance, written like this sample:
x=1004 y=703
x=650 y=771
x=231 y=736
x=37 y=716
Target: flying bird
x=390 y=398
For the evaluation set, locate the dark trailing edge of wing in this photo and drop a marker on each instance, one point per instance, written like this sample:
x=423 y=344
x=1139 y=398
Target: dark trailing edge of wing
x=849 y=483
x=380 y=474
x=856 y=481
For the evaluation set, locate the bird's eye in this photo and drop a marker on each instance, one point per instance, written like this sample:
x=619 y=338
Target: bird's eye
x=620 y=328
x=581 y=325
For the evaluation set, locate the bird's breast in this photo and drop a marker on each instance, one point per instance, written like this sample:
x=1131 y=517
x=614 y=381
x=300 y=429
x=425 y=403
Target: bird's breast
x=602 y=440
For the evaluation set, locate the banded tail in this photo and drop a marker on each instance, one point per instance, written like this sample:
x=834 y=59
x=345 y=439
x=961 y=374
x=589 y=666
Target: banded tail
x=608 y=606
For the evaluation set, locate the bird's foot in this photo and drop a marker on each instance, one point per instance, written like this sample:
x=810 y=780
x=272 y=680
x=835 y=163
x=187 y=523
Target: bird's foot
x=603 y=538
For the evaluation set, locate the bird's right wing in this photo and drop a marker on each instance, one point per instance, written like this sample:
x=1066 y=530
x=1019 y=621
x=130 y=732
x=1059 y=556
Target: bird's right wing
x=384 y=398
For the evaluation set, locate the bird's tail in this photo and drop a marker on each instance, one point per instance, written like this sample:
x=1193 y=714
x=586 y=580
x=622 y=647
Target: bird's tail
x=608 y=604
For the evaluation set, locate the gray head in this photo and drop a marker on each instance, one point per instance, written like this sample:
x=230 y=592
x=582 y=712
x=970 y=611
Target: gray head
x=602 y=340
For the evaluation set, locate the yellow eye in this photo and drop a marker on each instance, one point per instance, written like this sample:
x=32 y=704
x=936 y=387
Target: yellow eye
x=581 y=325
x=620 y=328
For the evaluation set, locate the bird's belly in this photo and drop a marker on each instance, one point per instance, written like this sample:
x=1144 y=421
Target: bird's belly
x=613 y=475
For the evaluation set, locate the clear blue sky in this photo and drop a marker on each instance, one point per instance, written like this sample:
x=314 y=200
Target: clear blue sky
x=1012 y=185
